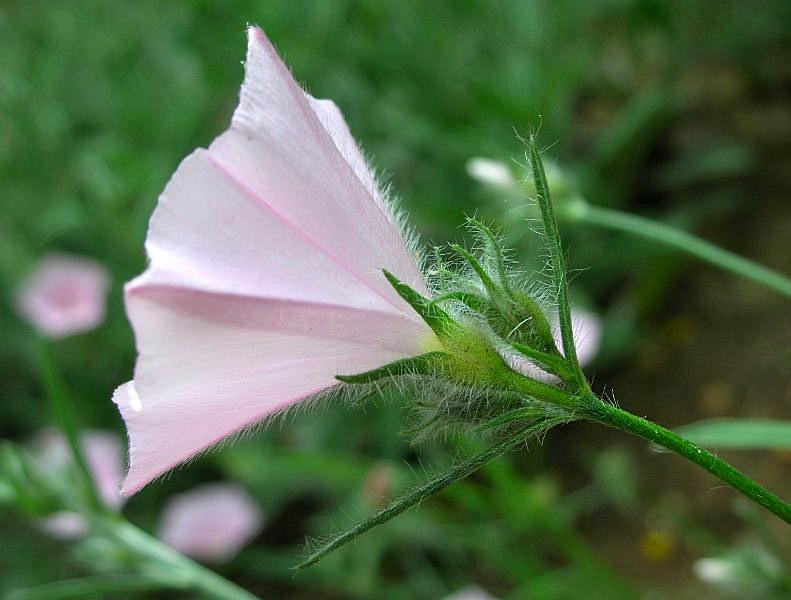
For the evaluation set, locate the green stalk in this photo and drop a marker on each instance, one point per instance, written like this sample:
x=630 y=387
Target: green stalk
x=612 y=416
x=63 y=413
x=96 y=586
x=580 y=210
x=183 y=571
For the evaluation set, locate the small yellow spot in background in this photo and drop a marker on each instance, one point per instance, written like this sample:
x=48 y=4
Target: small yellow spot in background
x=657 y=545
x=717 y=397
x=680 y=331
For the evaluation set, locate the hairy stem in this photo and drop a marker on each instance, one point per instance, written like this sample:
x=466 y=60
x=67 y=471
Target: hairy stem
x=617 y=418
x=668 y=235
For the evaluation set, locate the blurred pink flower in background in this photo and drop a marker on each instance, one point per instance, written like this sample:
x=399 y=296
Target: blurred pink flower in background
x=104 y=454
x=490 y=172
x=588 y=330
x=587 y=327
x=211 y=522
x=64 y=295
x=472 y=592
x=265 y=279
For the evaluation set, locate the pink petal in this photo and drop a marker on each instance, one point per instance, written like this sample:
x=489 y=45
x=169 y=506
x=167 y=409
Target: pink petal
x=211 y=232
x=212 y=522
x=64 y=295
x=335 y=125
x=213 y=364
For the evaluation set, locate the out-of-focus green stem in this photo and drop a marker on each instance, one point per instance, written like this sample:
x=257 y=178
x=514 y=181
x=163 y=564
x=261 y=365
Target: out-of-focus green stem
x=612 y=416
x=182 y=571
x=63 y=413
x=581 y=211
x=97 y=586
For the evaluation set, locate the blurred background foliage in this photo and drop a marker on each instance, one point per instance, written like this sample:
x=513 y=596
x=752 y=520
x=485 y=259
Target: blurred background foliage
x=678 y=110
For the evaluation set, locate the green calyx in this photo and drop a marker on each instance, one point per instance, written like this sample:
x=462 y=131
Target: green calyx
x=469 y=354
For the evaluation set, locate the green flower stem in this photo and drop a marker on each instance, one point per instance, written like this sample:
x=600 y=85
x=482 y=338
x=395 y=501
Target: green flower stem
x=177 y=570
x=612 y=416
x=580 y=210
x=63 y=413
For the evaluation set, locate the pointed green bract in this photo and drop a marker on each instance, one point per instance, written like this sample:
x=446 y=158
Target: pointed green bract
x=558 y=261
x=436 y=318
x=486 y=280
x=471 y=301
x=494 y=250
x=423 y=364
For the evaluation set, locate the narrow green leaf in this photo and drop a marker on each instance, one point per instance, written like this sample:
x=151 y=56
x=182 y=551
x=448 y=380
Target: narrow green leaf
x=436 y=318
x=423 y=363
x=66 y=418
x=743 y=434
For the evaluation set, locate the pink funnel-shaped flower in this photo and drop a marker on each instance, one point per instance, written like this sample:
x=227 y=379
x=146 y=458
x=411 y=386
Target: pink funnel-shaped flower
x=265 y=278
x=64 y=295
x=211 y=522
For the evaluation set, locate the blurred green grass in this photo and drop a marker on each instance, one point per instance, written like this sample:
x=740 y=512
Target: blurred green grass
x=99 y=101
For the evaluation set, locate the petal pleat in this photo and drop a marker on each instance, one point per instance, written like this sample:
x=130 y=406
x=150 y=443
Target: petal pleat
x=284 y=152
x=211 y=365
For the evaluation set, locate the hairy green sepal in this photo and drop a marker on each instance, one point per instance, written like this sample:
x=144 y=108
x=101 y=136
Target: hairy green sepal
x=423 y=364
x=436 y=318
